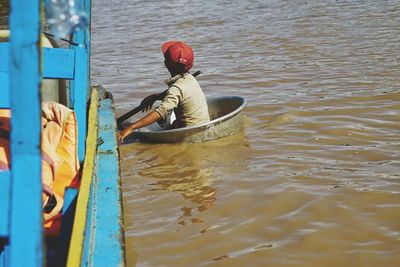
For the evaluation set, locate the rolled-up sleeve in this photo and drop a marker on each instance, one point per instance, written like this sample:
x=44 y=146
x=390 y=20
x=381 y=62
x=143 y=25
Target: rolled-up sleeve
x=170 y=101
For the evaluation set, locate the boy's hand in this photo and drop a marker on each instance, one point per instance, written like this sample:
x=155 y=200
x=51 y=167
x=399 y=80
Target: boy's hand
x=148 y=102
x=123 y=133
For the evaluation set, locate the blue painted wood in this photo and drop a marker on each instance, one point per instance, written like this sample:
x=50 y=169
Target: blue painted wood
x=58 y=63
x=79 y=93
x=83 y=37
x=4 y=73
x=88 y=38
x=70 y=196
x=109 y=233
x=106 y=127
x=4 y=203
x=4 y=92
x=109 y=217
x=26 y=231
x=4 y=54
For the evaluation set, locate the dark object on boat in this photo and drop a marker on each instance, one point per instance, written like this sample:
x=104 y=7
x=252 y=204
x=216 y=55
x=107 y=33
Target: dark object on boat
x=226 y=119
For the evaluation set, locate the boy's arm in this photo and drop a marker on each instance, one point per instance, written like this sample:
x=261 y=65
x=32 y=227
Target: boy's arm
x=148 y=101
x=146 y=120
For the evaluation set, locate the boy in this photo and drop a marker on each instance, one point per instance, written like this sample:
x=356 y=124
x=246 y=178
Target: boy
x=183 y=95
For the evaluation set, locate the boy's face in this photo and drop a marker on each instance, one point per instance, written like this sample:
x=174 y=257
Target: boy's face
x=168 y=65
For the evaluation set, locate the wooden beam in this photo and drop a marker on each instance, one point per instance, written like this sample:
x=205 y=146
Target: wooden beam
x=58 y=63
x=109 y=232
x=4 y=75
x=26 y=230
x=79 y=95
x=4 y=203
x=79 y=89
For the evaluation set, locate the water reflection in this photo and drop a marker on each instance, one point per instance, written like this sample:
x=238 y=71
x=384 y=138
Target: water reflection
x=192 y=170
x=182 y=169
x=195 y=185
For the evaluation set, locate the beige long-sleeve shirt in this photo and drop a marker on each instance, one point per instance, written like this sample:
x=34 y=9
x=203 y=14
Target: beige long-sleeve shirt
x=186 y=98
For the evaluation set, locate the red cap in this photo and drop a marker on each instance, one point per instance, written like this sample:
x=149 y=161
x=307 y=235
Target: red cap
x=178 y=52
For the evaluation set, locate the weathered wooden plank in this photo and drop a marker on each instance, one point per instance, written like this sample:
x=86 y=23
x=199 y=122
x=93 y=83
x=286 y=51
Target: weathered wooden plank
x=4 y=55
x=4 y=92
x=58 y=63
x=107 y=127
x=83 y=37
x=79 y=90
x=109 y=217
x=109 y=220
x=4 y=73
x=4 y=203
x=81 y=213
x=26 y=228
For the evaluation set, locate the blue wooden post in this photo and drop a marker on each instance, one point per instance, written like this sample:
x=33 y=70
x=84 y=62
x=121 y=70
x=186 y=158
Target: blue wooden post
x=4 y=73
x=79 y=92
x=4 y=204
x=79 y=89
x=26 y=208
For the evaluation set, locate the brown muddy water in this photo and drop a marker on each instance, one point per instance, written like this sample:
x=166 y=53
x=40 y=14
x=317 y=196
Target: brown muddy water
x=312 y=180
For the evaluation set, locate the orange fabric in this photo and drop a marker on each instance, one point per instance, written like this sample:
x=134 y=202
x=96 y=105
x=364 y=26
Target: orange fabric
x=59 y=141
x=48 y=164
x=60 y=164
x=5 y=115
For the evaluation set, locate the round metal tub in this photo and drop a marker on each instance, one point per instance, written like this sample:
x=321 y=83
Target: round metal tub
x=226 y=119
